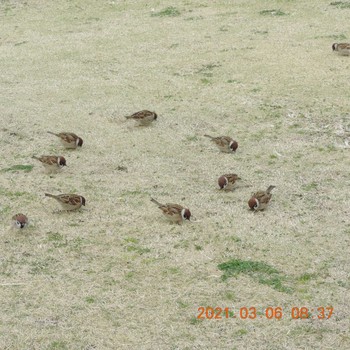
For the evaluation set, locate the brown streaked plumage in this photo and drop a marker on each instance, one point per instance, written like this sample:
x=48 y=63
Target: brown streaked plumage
x=20 y=221
x=225 y=143
x=143 y=118
x=68 y=201
x=173 y=212
x=342 y=49
x=69 y=139
x=260 y=199
x=52 y=163
x=228 y=181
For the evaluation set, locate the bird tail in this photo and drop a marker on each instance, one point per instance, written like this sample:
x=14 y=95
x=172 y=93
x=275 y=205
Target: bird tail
x=50 y=195
x=37 y=158
x=211 y=137
x=156 y=202
x=270 y=188
x=52 y=133
x=128 y=116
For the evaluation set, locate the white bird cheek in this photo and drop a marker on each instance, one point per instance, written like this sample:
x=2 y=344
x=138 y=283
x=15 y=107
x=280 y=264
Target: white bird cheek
x=183 y=214
x=257 y=204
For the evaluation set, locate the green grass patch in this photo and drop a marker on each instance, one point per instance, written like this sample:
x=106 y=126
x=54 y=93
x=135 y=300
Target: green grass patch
x=240 y=332
x=263 y=273
x=42 y=267
x=272 y=13
x=236 y=266
x=332 y=36
x=205 y=81
x=58 y=240
x=90 y=299
x=58 y=345
x=207 y=68
x=11 y=194
x=19 y=167
x=310 y=187
x=194 y=321
x=194 y=18
x=306 y=277
x=167 y=12
x=133 y=246
x=341 y=4
x=232 y=81
x=192 y=138
x=137 y=249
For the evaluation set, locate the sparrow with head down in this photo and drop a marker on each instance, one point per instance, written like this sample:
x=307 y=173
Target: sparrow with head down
x=261 y=199
x=68 y=201
x=227 y=182
x=225 y=143
x=174 y=212
x=69 y=139
x=342 y=49
x=20 y=221
x=143 y=118
x=52 y=163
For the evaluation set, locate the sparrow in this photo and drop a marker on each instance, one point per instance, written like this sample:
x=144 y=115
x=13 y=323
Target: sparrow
x=342 y=49
x=20 y=221
x=225 y=143
x=260 y=199
x=52 y=163
x=173 y=212
x=69 y=139
x=228 y=181
x=68 y=201
x=143 y=118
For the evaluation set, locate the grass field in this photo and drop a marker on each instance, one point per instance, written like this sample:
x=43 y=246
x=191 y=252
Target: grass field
x=117 y=275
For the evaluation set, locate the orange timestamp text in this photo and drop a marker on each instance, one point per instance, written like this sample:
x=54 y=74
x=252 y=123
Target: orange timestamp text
x=218 y=313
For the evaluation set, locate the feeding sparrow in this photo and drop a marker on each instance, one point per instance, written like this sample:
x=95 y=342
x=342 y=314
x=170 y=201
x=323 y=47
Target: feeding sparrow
x=224 y=143
x=68 y=201
x=342 y=49
x=69 y=139
x=173 y=212
x=143 y=118
x=52 y=163
x=20 y=221
x=228 y=181
x=260 y=199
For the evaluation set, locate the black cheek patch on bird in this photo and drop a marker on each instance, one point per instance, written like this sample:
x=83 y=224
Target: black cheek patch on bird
x=234 y=146
x=83 y=201
x=222 y=182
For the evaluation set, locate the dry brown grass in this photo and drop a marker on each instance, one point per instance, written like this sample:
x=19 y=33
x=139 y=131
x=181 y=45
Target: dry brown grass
x=117 y=275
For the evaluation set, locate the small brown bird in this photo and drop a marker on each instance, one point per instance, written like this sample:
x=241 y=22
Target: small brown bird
x=69 y=139
x=68 y=201
x=228 y=181
x=20 y=221
x=342 y=49
x=260 y=199
x=143 y=118
x=173 y=212
x=52 y=163
x=225 y=143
